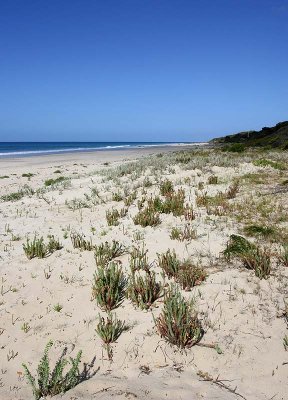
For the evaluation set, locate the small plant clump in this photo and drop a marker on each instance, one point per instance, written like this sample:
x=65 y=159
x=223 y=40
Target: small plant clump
x=144 y=291
x=169 y=263
x=251 y=256
x=189 y=275
x=105 y=252
x=54 y=181
x=109 y=331
x=112 y=217
x=178 y=322
x=213 y=180
x=109 y=286
x=147 y=217
x=283 y=256
x=232 y=190
x=52 y=382
x=79 y=242
x=37 y=247
x=188 y=233
x=259 y=231
x=139 y=259
x=166 y=187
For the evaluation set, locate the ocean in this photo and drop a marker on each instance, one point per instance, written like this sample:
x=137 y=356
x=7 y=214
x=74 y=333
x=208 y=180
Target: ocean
x=26 y=149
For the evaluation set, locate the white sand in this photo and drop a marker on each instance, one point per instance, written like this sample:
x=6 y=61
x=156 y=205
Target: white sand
x=239 y=312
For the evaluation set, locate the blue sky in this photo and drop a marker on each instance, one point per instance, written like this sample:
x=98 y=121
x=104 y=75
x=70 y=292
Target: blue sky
x=142 y=70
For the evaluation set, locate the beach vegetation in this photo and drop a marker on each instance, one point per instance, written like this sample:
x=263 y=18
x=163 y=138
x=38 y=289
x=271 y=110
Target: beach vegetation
x=37 y=248
x=263 y=162
x=109 y=286
x=109 y=330
x=178 y=322
x=147 y=217
x=50 y=382
x=54 y=181
x=166 y=187
x=80 y=242
x=143 y=291
x=138 y=259
x=213 y=180
x=250 y=255
x=169 y=263
x=189 y=275
x=106 y=252
x=187 y=233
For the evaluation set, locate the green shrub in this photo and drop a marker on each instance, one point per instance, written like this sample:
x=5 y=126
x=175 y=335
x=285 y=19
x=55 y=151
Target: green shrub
x=109 y=286
x=144 y=291
x=105 y=252
x=251 y=256
x=52 y=382
x=178 y=322
x=234 y=148
x=109 y=331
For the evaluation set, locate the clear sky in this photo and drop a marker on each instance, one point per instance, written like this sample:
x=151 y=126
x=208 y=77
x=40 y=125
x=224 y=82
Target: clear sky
x=142 y=70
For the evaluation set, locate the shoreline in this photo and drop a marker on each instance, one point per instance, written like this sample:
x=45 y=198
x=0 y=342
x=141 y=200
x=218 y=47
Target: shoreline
x=95 y=156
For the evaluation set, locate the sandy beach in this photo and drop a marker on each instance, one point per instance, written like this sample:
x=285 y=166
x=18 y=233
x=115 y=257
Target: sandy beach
x=241 y=352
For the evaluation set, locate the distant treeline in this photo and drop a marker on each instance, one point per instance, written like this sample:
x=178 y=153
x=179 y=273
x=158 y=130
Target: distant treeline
x=276 y=136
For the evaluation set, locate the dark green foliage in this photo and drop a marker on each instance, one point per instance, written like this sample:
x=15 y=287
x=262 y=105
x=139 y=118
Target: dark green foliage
x=276 y=136
x=79 y=242
x=109 y=286
x=105 y=252
x=178 y=322
x=27 y=175
x=251 y=256
x=234 y=148
x=147 y=217
x=259 y=230
x=109 y=331
x=52 y=382
x=169 y=263
x=144 y=291
x=52 y=182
